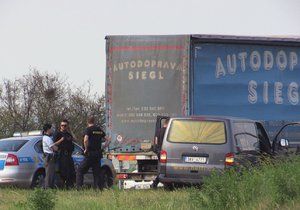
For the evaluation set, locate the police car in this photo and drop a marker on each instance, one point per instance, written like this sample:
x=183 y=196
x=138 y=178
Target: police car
x=22 y=164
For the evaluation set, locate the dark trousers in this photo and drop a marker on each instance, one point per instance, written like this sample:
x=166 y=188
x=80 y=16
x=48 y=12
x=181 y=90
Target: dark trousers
x=66 y=169
x=156 y=180
x=90 y=161
x=50 y=170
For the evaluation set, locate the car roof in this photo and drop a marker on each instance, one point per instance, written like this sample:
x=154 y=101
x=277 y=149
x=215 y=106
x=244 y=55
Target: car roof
x=215 y=117
x=28 y=138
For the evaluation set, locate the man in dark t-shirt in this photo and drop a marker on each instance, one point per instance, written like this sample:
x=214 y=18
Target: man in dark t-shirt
x=64 y=141
x=92 y=150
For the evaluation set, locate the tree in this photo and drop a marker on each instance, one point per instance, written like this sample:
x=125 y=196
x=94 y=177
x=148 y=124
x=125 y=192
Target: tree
x=28 y=102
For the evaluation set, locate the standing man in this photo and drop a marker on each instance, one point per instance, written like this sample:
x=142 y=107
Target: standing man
x=49 y=148
x=92 y=151
x=64 y=140
x=158 y=144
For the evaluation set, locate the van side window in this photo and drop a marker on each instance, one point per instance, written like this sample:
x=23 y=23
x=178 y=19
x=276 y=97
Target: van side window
x=246 y=136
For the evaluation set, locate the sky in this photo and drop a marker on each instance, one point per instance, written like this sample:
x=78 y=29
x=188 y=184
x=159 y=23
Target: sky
x=68 y=36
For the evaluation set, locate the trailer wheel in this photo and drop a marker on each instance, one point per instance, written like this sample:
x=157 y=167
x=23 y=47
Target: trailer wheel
x=169 y=186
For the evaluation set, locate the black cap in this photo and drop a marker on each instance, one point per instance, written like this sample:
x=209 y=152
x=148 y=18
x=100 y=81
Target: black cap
x=46 y=127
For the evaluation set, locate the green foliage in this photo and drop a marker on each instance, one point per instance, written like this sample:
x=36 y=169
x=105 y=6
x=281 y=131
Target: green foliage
x=41 y=199
x=27 y=102
x=270 y=186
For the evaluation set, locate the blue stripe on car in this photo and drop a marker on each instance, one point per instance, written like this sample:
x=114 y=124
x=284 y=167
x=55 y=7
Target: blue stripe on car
x=26 y=160
x=2 y=164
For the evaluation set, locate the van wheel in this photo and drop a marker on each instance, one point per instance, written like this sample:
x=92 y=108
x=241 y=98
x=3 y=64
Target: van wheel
x=38 y=179
x=107 y=178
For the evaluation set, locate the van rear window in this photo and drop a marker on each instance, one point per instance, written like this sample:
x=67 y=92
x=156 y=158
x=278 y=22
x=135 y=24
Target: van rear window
x=195 y=131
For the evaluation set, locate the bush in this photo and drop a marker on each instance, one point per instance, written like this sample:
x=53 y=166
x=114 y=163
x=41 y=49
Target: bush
x=270 y=186
x=41 y=199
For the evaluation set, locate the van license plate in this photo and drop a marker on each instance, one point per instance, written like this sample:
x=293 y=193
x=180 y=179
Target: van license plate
x=195 y=159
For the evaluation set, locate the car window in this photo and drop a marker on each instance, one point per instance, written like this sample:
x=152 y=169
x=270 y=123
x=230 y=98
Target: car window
x=38 y=147
x=77 y=150
x=195 y=131
x=246 y=136
x=11 y=145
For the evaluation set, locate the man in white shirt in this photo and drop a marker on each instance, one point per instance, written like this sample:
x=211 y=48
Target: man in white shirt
x=49 y=148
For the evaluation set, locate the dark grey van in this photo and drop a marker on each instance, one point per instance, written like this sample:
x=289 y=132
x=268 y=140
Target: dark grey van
x=194 y=146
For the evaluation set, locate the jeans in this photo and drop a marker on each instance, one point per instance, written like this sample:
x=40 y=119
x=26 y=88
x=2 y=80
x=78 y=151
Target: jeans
x=50 y=170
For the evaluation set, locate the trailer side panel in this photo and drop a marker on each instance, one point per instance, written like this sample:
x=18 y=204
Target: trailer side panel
x=146 y=76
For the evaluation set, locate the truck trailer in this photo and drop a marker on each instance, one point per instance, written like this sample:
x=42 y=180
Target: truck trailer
x=183 y=75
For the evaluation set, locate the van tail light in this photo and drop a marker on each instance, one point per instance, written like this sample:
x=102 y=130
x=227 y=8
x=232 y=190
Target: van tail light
x=229 y=159
x=11 y=160
x=163 y=156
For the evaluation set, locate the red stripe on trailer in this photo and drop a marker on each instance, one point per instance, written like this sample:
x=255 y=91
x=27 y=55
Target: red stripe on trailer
x=145 y=48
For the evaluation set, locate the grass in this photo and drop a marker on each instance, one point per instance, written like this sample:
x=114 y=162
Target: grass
x=272 y=186
x=110 y=199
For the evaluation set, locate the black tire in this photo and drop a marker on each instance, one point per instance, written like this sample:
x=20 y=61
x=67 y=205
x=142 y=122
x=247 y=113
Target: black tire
x=38 y=179
x=107 y=178
x=169 y=186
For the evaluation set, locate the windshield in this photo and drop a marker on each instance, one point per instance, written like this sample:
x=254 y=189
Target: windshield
x=11 y=145
x=194 y=131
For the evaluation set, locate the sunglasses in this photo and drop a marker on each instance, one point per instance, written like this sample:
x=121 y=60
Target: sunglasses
x=63 y=125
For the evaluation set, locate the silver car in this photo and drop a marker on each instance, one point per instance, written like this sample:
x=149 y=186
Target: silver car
x=22 y=164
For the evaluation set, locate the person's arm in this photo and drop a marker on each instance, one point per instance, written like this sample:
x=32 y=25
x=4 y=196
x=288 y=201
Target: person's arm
x=107 y=142
x=50 y=144
x=59 y=141
x=54 y=147
x=85 y=143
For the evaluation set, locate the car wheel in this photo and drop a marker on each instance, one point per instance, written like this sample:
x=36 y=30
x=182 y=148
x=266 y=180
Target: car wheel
x=38 y=180
x=107 y=178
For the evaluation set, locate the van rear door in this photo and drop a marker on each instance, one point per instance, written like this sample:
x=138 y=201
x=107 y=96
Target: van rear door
x=160 y=120
x=194 y=147
x=248 y=145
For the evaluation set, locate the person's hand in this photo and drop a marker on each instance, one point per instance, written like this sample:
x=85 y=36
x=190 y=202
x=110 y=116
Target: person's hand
x=85 y=152
x=54 y=148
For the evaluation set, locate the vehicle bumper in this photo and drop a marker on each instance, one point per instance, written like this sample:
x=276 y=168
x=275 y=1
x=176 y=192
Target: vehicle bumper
x=176 y=180
x=15 y=177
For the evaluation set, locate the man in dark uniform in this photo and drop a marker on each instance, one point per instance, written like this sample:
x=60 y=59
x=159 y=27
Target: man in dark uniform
x=159 y=137
x=64 y=140
x=92 y=151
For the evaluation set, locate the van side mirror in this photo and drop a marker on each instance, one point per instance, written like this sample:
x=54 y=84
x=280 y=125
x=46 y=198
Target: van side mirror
x=284 y=143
